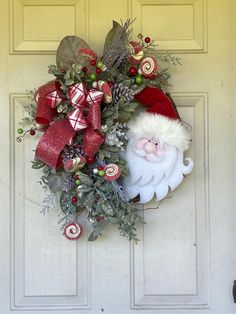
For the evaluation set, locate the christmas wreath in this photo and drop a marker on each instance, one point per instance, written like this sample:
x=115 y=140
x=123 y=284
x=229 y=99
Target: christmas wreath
x=111 y=136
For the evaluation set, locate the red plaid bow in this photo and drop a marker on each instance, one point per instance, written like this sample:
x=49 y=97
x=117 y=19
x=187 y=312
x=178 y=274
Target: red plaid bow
x=80 y=99
x=87 y=115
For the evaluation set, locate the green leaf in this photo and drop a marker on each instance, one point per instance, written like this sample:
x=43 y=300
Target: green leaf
x=38 y=164
x=69 y=82
x=67 y=75
x=106 y=207
x=93 y=236
x=89 y=200
x=124 y=117
x=113 y=220
x=85 y=180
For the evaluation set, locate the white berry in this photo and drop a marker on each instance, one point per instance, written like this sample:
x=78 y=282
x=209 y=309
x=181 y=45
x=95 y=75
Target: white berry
x=95 y=84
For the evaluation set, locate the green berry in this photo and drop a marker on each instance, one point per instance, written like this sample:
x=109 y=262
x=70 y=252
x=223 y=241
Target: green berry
x=138 y=80
x=92 y=77
x=77 y=182
x=100 y=64
x=20 y=131
x=101 y=173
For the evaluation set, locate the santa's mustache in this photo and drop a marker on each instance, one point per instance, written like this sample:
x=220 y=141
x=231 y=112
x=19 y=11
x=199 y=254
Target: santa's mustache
x=148 y=156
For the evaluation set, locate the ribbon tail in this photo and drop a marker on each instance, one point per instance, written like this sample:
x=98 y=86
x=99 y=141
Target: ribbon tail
x=44 y=114
x=94 y=116
x=92 y=140
x=52 y=142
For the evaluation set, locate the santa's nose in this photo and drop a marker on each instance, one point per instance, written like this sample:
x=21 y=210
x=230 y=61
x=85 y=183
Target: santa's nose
x=150 y=148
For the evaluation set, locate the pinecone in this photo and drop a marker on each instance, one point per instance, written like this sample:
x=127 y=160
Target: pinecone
x=71 y=152
x=119 y=90
x=68 y=184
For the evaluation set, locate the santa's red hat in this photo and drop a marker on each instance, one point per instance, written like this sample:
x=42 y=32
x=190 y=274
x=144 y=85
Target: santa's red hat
x=160 y=121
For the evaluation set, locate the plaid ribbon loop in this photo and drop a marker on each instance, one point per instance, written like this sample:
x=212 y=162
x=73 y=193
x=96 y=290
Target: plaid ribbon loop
x=86 y=115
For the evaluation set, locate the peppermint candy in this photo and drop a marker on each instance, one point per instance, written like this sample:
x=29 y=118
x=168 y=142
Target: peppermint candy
x=77 y=120
x=77 y=94
x=112 y=172
x=74 y=164
x=106 y=90
x=94 y=96
x=88 y=54
x=148 y=66
x=73 y=231
x=137 y=52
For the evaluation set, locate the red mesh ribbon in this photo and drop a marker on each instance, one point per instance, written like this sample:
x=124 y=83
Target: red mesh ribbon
x=47 y=97
x=52 y=142
x=92 y=140
x=61 y=132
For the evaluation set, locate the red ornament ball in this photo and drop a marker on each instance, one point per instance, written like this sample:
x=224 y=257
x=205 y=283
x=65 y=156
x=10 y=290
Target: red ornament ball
x=93 y=62
x=32 y=132
x=74 y=199
x=147 y=40
x=90 y=160
x=133 y=71
x=100 y=167
x=110 y=83
x=85 y=69
x=100 y=218
x=98 y=71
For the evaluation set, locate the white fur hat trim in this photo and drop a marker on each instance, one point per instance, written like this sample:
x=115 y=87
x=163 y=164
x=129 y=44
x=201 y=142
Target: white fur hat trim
x=159 y=127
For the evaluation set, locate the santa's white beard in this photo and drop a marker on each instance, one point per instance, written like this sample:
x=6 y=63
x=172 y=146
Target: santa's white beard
x=151 y=175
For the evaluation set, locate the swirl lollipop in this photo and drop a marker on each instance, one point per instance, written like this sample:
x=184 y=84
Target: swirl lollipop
x=73 y=231
x=148 y=66
x=112 y=172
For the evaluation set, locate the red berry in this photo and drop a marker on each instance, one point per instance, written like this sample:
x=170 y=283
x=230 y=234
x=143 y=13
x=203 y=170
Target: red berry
x=100 y=167
x=152 y=77
x=85 y=69
x=90 y=160
x=76 y=177
x=98 y=71
x=110 y=83
x=74 y=199
x=147 y=40
x=133 y=71
x=100 y=218
x=32 y=132
x=93 y=62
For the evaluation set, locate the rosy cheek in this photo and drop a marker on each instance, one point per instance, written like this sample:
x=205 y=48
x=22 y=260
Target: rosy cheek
x=140 y=143
x=159 y=151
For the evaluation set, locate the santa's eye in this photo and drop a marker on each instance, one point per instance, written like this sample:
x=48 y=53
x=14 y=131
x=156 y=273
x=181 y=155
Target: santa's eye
x=156 y=144
x=149 y=141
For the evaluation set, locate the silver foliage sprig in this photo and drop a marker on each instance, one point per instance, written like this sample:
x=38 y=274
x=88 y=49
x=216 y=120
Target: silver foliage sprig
x=49 y=202
x=30 y=109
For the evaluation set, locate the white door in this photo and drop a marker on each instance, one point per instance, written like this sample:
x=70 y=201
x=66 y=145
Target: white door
x=185 y=261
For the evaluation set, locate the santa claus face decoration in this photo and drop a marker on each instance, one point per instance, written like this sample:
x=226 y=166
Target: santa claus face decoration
x=155 y=156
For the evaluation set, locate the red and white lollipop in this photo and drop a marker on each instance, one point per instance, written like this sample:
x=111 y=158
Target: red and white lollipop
x=112 y=172
x=73 y=231
x=88 y=54
x=148 y=66
x=136 y=52
x=106 y=89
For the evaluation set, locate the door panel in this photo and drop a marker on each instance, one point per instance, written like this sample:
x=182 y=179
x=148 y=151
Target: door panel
x=184 y=261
